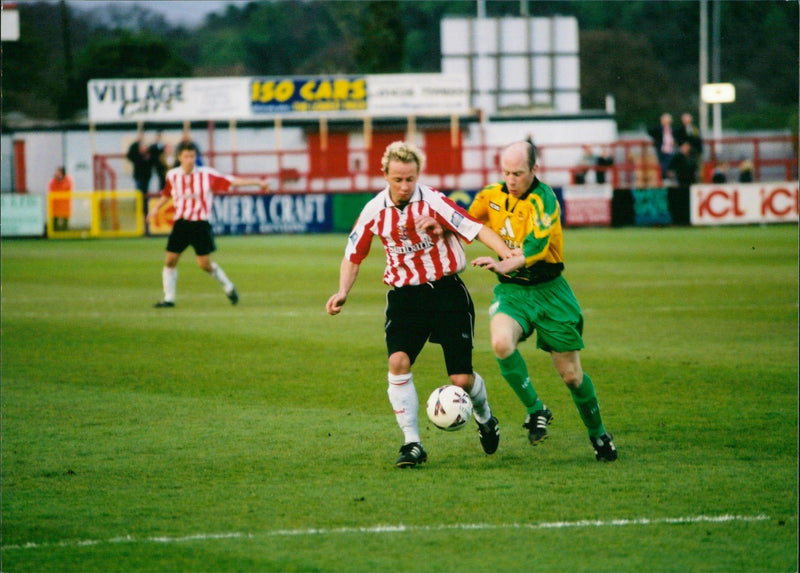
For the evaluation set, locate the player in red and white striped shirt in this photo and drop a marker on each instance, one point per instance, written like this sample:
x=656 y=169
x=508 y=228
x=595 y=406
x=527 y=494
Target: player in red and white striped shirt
x=421 y=231
x=191 y=189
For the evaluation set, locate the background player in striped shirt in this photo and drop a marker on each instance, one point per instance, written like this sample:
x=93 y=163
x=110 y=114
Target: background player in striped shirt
x=191 y=188
x=533 y=296
x=421 y=231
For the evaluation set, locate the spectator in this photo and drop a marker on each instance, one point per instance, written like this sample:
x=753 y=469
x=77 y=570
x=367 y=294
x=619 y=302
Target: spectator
x=139 y=157
x=587 y=161
x=647 y=172
x=61 y=207
x=746 y=171
x=682 y=168
x=664 y=142
x=687 y=131
x=603 y=162
x=158 y=160
x=719 y=175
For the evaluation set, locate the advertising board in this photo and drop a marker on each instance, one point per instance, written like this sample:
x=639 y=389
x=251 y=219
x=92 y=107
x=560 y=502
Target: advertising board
x=744 y=203
x=249 y=98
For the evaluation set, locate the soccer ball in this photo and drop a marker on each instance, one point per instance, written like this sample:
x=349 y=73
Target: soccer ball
x=449 y=408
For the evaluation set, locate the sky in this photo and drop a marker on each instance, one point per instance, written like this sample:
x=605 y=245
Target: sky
x=187 y=13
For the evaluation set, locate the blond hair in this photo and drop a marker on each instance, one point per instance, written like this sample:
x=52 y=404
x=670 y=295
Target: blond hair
x=404 y=152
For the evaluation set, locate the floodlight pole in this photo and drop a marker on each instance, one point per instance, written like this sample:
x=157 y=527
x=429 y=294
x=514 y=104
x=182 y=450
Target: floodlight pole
x=702 y=117
x=715 y=69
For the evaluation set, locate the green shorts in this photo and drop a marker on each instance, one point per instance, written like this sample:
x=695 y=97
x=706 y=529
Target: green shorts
x=550 y=309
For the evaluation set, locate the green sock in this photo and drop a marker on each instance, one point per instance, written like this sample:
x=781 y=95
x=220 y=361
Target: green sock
x=515 y=372
x=586 y=401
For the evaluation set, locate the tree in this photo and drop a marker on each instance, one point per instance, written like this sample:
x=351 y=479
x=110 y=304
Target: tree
x=382 y=37
x=623 y=65
x=127 y=55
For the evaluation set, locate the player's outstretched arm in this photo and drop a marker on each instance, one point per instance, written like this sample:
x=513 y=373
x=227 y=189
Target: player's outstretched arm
x=262 y=184
x=492 y=240
x=348 y=273
x=504 y=267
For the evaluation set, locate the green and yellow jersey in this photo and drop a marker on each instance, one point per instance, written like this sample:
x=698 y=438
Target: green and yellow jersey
x=531 y=223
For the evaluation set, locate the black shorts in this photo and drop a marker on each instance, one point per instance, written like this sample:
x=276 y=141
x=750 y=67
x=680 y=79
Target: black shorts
x=198 y=234
x=441 y=312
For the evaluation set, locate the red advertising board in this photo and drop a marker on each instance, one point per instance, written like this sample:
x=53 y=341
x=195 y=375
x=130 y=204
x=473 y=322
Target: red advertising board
x=587 y=205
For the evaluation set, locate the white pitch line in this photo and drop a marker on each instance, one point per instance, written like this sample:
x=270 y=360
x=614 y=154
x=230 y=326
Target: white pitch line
x=381 y=529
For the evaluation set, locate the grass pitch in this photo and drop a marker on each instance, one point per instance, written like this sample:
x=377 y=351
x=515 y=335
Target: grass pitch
x=259 y=437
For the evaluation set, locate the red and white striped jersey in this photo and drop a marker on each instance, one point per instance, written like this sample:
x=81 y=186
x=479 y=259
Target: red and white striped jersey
x=413 y=257
x=193 y=193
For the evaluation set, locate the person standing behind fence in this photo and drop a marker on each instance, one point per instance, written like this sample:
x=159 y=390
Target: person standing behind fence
x=687 y=131
x=61 y=207
x=158 y=160
x=142 y=166
x=192 y=189
x=745 y=171
x=682 y=169
x=604 y=161
x=663 y=141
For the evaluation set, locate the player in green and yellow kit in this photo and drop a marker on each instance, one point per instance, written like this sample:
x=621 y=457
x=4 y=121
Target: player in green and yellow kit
x=533 y=296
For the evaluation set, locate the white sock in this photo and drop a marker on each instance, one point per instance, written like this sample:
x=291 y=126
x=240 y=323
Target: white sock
x=222 y=278
x=169 y=278
x=480 y=401
x=403 y=397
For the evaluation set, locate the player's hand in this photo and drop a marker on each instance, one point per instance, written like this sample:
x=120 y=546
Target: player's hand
x=429 y=225
x=335 y=304
x=484 y=262
x=503 y=267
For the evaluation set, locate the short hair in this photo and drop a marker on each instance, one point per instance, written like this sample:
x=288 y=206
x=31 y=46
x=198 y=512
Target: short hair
x=404 y=152
x=185 y=146
x=531 y=154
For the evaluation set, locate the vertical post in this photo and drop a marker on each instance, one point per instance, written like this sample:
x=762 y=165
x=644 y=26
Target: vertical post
x=278 y=133
x=234 y=154
x=702 y=117
x=454 y=147
x=20 y=180
x=412 y=128
x=93 y=151
x=211 y=151
x=715 y=68
x=323 y=149
x=279 y=148
x=367 y=145
x=367 y=132
x=323 y=133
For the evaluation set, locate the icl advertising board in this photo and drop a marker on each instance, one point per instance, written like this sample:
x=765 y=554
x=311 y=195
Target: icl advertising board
x=744 y=203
